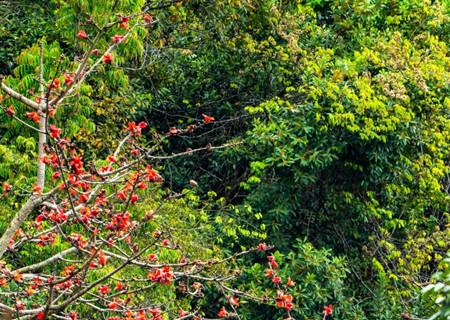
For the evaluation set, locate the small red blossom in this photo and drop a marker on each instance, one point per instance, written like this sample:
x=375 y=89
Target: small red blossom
x=148 y=18
x=327 y=310
x=234 y=301
x=33 y=116
x=276 y=279
x=290 y=283
x=112 y=159
x=6 y=187
x=68 y=79
x=118 y=38
x=123 y=25
x=134 y=198
x=182 y=313
x=208 y=119
x=82 y=34
x=10 y=111
x=222 y=313
x=55 y=175
x=272 y=262
x=119 y=286
x=55 y=132
x=262 y=247
x=152 y=257
x=122 y=195
x=40 y=316
x=104 y=289
x=37 y=189
x=102 y=259
x=55 y=84
x=108 y=58
x=83 y=198
x=269 y=273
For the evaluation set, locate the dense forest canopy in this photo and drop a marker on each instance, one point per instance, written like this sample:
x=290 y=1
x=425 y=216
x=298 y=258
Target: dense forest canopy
x=239 y=159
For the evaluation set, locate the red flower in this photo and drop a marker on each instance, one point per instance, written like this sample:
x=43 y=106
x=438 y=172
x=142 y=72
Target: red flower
x=327 y=310
x=55 y=132
x=37 y=189
x=107 y=58
x=165 y=242
x=122 y=195
x=10 y=111
x=73 y=315
x=152 y=257
x=33 y=116
x=119 y=286
x=134 y=198
x=124 y=19
x=207 y=118
x=276 y=279
x=162 y=275
x=290 y=283
x=68 y=79
x=262 y=247
x=102 y=259
x=55 y=84
x=104 y=289
x=118 y=38
x=40 y=316
x=269 y=273
x=222 y=313
x=123 y=25
x=6 y=187
x=82 y=34
x=182 y=313
x=135 y=129
x=148 y=18
x=234 y=301
x=55 y=175
x=272 y=262
x=112 y=159
x=113 y=305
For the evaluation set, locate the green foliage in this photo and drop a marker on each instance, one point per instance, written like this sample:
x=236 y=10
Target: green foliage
x=438 y=292
x=320 y=279
x=343 y=108
x=23 y=23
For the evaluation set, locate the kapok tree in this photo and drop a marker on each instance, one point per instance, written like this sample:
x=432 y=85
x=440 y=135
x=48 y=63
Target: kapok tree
x=103 y=251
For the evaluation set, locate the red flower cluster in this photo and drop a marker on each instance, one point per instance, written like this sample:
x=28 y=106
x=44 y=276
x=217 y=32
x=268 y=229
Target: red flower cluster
x=135 y=129
x=284 y=300
x=55 y=132
x=161 y=275
x=77 y=164
x=120 y=222
x=33 y=116
x=46 y=239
